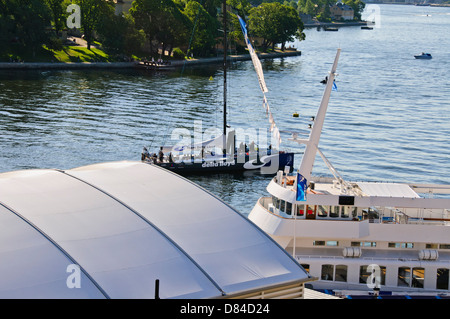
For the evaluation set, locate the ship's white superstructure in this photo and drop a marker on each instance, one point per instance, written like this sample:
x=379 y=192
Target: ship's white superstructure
x=359 y=235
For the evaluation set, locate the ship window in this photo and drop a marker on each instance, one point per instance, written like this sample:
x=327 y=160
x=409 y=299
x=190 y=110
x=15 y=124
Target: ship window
x=354 y=212
x=282 y=204
x=341 y=273
x=404 y=277
x=345 y=211
x=327 y=272
x=300 y=210
x=275 y=201
x=371 y=274
x=431 y=246
x=334 y=211
x=318 y=243
x=323 y=211
x=401 y=245
x=332 y=243
x=288 y=208
x=417 y=277
x=363 y=275
x=444 y=246
x=306 y=267
x=442 y=278
x=364 y=244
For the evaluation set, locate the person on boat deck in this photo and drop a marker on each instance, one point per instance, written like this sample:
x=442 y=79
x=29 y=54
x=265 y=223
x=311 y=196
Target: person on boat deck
x=241 y=148
x=170 y=158
x=161 y=154
x=154 y=158
x=145 y=154
x=251 y=147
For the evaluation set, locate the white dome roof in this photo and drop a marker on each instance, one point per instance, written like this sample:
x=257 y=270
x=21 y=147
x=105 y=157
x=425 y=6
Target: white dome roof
x=126 y=224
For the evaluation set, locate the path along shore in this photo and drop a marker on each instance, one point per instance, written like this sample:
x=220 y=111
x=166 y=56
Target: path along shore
x=137 y=64
x=316 y=24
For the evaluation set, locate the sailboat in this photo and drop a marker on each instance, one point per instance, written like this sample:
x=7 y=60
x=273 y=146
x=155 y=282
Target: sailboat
x=221 y=154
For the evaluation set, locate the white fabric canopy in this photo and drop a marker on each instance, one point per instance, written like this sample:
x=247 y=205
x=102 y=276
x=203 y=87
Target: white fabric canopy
x=387 y=190
x=127 y=224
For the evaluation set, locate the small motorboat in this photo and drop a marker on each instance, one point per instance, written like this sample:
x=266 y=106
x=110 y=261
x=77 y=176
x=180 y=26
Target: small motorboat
x=423 y=56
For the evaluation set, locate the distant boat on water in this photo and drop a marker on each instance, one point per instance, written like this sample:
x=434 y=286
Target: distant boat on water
x=425 y=56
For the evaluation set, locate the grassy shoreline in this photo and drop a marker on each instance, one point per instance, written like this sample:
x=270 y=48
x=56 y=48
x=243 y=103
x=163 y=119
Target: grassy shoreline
x=70 y=64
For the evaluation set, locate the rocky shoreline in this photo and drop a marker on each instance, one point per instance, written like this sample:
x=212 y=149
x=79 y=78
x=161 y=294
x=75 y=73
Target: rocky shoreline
x=335 y=24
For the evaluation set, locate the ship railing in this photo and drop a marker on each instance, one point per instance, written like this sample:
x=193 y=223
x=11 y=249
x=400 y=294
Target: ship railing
x=301 y=258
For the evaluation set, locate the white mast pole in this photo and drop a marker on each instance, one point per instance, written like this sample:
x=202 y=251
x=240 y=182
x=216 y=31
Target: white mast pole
x=312 y=143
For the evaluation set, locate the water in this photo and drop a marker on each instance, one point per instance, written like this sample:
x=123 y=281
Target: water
x=388 y=121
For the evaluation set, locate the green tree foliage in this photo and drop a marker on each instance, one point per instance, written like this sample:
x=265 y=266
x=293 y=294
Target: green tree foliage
x=275 y=23
x=241 y=7
x=112 y=30
x=321 y=8
x=307 y=7
x=92 y=12
x=56 y=7
x=204 y=36
x=24 y=24
x=193 y=25
x=173 y=27
x=357 y=6
x=162 y=22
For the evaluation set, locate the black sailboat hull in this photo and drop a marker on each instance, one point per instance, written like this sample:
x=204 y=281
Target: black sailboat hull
x=268 y=165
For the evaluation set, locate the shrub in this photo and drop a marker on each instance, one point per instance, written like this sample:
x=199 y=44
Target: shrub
x=55 y=44
x=178 y=54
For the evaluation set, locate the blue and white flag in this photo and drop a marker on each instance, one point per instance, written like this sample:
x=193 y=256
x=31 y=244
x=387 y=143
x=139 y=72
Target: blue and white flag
x=302 y=185
x=254 y=56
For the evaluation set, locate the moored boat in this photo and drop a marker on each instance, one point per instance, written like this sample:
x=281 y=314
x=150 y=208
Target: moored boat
x=221 y=154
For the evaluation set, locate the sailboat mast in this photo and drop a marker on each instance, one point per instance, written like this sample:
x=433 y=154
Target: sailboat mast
x=225 y=68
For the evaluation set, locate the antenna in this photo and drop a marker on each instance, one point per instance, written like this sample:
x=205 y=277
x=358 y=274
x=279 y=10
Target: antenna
x=312 y=142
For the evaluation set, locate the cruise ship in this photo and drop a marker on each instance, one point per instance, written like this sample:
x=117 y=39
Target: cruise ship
x=359 y=238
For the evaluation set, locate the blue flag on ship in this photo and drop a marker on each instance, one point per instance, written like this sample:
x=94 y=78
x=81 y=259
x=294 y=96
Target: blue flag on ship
x=242 y=22
x=301 y=188
x=244 y=30
x=334 y=86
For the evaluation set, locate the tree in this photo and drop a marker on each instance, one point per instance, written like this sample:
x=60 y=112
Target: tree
x=173 y=27
x=275 y=23
x=242 y=7
x=57 y=10
x=91 y=13
x=26 y=22
x=145 y=14
x=205 y=33
x=357 y=6
x=309 y=8
x=162 y=21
